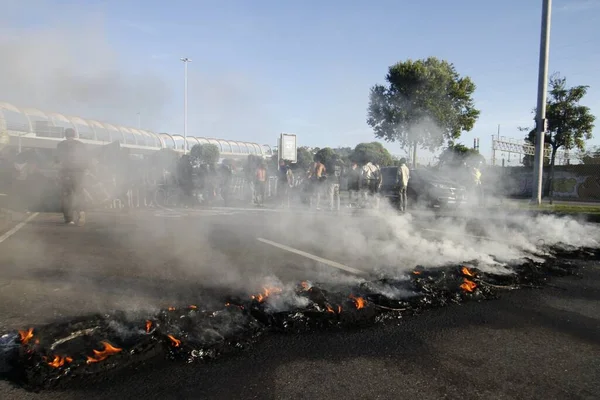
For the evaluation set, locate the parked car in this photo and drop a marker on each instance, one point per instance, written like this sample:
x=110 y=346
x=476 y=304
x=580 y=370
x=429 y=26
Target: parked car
x=425 y=187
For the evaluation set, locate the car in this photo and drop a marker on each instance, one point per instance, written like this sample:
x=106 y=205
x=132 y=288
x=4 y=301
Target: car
x=425 y=186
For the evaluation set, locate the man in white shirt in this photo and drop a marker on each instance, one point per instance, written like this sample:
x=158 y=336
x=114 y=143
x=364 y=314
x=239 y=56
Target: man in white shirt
x=402 y=182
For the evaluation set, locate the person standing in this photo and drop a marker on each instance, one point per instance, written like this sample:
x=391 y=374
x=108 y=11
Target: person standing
x=261 y=183
x=317 y=176
x=334 y=185
x=402 y=182
x=71 y=154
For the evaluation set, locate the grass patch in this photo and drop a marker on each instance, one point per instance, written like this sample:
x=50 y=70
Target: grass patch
x=562 y=208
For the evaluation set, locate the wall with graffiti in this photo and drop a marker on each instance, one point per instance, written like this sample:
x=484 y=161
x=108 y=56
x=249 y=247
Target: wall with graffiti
x=580 y=182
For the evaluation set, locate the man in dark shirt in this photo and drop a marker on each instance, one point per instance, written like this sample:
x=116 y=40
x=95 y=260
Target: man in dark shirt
x=72 y=157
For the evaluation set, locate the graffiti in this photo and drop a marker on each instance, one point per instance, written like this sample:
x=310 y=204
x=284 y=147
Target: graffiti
x=567 y=185
x=564 y=185
x=590 y=188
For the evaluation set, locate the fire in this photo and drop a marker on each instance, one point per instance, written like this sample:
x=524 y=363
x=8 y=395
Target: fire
x=109 y=350
x=26 y=336
x=266 y=293
x=468 y=285
x=59 y=361
x=332 y=310
x=171 y=308
x=359 y=302
x=467 y=272
x=416 y=272
x=193 y=307
x=148 y=326
x=175 y=342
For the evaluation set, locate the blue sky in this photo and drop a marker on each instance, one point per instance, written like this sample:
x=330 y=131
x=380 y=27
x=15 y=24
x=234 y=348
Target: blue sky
x=261 y=67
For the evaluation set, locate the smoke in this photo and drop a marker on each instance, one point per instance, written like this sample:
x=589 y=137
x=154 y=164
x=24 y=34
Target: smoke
x=70 y=68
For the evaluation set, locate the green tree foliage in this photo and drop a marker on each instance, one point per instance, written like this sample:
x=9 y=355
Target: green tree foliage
x=424 y=103
x=371 y=152
x=570 y=124
x=205 y=154
x=457 y=154
x=304 y=158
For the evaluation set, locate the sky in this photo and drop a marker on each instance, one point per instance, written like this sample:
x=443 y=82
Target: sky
x=262 y=67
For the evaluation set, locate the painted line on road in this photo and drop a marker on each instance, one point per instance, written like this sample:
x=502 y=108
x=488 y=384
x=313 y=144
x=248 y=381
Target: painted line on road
x=17 y=228
x=313 y=257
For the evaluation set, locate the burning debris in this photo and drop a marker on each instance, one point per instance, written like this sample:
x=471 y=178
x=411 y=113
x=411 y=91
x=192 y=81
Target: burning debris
x=43 y=356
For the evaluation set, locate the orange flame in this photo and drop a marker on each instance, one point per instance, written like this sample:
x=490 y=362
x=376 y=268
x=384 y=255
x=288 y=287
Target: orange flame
x=266 y=293
x=467 y=285
x=148 y=326
x=416 y=272
x=26 y=336
x=109 y=350
x=339 y=309
x=333 y=311
x=193 y=307
x=175 y=342
x=59 y=361
x=330 y=310
x=467 y=272
x=171 y=308
x=359 y=302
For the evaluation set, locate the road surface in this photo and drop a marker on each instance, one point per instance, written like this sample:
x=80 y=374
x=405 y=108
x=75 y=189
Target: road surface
x=529 y=344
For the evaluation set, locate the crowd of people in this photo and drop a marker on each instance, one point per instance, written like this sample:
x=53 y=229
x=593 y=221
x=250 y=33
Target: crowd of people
x=109 y=173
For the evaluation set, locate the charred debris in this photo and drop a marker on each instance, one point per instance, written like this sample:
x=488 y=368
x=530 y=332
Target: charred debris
x=41 y=357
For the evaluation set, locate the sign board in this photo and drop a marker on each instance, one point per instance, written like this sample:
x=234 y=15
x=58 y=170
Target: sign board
x=287 y=149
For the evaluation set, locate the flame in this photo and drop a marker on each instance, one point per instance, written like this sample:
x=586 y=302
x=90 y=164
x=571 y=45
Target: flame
x=467 y=285
x=148 y=326
x=175 y=342
x=193 y=307
x=467 y=272
x=59 y=361
x=266 y=293
x=333 y=311
x=416 y=272
x=359 y=302
x=171 y=308
x=109 y=350
x=26 y=336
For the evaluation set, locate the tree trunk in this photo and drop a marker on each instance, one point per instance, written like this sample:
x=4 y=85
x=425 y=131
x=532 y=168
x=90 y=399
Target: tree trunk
x=550 y=184
x=415 y=155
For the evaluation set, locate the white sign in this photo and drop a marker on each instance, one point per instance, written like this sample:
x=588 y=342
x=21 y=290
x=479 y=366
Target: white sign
x=287 y=147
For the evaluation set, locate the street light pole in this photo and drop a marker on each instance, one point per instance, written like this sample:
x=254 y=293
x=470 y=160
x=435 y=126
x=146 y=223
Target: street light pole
x=185 y=95
x=538 y=163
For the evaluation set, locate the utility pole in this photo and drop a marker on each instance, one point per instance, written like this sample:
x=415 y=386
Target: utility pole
x=185 y=96
x=538 y=163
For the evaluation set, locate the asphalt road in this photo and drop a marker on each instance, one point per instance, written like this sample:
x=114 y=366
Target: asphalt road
x=529 y=344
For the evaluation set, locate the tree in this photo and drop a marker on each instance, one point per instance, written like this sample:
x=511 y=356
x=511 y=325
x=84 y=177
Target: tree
x=371 y=152
x=325 y=155
x=456 y=154
x=570 y=124
x=207 y=153
x=591 y=156
x=425 y=103
x=304 y=158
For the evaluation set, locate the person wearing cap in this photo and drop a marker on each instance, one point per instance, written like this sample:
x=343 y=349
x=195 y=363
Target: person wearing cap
x=72 y=157
x=402 y=182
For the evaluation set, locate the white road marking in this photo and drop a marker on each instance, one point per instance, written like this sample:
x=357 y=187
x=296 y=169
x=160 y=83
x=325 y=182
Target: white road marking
x=313 y=257
x=17 y=228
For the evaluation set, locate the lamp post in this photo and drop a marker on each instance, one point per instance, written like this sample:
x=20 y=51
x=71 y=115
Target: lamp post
x=538 y=163
x=185 y=62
